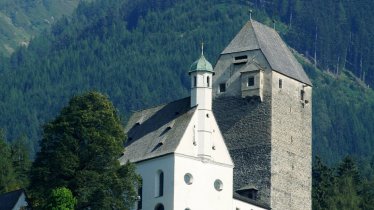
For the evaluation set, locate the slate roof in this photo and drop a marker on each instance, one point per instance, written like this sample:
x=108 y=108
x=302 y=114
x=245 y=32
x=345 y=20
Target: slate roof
x=156 y=131
x=9 y=200
x=256 y=36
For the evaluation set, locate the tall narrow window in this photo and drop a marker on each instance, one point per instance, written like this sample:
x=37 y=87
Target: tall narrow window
x=208 y=81
x=280 y=84
x=302 y=94
x=251 y=81
x=194 y=81
x=161 y=191
x=159 y=184
x=140 y=196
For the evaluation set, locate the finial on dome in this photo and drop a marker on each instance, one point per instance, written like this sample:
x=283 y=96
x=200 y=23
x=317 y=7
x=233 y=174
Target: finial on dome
x=250 y=11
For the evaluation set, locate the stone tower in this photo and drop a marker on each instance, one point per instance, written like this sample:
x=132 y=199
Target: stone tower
x=262 y=102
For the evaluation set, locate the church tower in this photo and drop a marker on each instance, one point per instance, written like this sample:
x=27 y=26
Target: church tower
x=262 y=100
x=201 y=73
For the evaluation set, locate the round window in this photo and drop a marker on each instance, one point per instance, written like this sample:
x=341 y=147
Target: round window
x=188 y=178
x=218 y=185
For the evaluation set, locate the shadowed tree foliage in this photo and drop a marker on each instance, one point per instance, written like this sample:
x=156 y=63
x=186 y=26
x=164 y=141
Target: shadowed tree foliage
x=79 y=150
x=341 y=188
x=7 y=175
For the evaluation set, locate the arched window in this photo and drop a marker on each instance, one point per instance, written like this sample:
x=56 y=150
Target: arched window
x=159 y=184
x=159 y=207
x=194 y=81
x=140 y=195
x=208 y=81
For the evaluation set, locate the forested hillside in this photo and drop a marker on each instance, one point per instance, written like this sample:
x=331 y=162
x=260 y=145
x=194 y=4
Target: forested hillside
x=138 y=53
x=337 y=34
x=21 y=20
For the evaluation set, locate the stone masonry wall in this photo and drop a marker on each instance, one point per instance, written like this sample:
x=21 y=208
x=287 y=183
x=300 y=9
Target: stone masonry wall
x=245 y=125
x=291 y=156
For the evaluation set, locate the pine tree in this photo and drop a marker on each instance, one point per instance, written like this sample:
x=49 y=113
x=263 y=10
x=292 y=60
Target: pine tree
x=7 y=175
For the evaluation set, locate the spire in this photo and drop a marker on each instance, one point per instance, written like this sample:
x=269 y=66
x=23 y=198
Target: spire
x=202 y=48
x=250 y=11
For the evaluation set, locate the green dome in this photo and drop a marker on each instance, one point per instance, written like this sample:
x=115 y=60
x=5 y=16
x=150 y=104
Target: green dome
x=201 y=65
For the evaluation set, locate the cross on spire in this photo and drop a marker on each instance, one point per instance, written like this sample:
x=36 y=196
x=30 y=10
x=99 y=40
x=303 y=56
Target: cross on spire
x=250 y=11
x=202 y=48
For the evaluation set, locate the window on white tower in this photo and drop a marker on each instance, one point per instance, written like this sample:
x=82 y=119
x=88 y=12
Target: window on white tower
x=208 y=81
x=159 y=184
x=159 y=207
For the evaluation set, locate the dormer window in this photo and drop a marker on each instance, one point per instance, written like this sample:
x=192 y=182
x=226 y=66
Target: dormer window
x=251 y=81
x=240 y=59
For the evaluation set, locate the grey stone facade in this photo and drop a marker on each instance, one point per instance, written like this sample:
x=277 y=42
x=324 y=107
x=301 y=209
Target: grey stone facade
x=269 y=133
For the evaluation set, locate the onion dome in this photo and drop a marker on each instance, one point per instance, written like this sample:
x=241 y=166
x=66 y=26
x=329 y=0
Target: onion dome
x=202 y=64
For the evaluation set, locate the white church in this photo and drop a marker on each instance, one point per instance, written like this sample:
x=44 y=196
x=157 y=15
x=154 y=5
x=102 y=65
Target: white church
x=181 y=154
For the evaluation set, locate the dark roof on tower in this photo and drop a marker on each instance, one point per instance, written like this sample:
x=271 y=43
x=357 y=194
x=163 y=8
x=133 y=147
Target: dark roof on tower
x=256 y=36
x=250 y=201
x=9 y=200
x=156 y=131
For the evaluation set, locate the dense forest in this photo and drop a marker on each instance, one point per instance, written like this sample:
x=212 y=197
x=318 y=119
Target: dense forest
x=137 y=51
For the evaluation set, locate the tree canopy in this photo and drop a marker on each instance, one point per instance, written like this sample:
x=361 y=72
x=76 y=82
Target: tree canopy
x=79 y=151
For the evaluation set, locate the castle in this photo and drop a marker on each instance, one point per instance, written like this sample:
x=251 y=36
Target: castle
x=242 y=141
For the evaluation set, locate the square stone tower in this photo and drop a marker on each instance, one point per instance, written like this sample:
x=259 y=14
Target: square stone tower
x=263 y=104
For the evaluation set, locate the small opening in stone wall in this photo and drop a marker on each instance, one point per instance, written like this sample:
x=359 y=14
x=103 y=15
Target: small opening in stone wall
x=241 y=57
x=280 y=84
x=251 y=81
x=302 y=94
x=222 y=87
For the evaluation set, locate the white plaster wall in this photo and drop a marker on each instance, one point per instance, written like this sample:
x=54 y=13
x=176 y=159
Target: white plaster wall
x=202 y=94
x=215 y=147
x=148 y=170
x=240 y=205
x=201 y=194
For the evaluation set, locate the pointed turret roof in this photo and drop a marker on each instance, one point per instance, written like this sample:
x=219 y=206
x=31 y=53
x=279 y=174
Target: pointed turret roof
x=256 y=36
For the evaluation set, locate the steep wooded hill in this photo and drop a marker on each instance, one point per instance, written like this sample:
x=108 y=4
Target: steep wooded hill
x=138 y=53
x=21 y=20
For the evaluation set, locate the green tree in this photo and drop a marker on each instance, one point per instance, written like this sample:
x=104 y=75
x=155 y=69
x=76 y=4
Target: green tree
x=7 y=175
x=347 y=185
x=21 y=161
x=61 y=199
x=323 y=185
x=79 y=150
